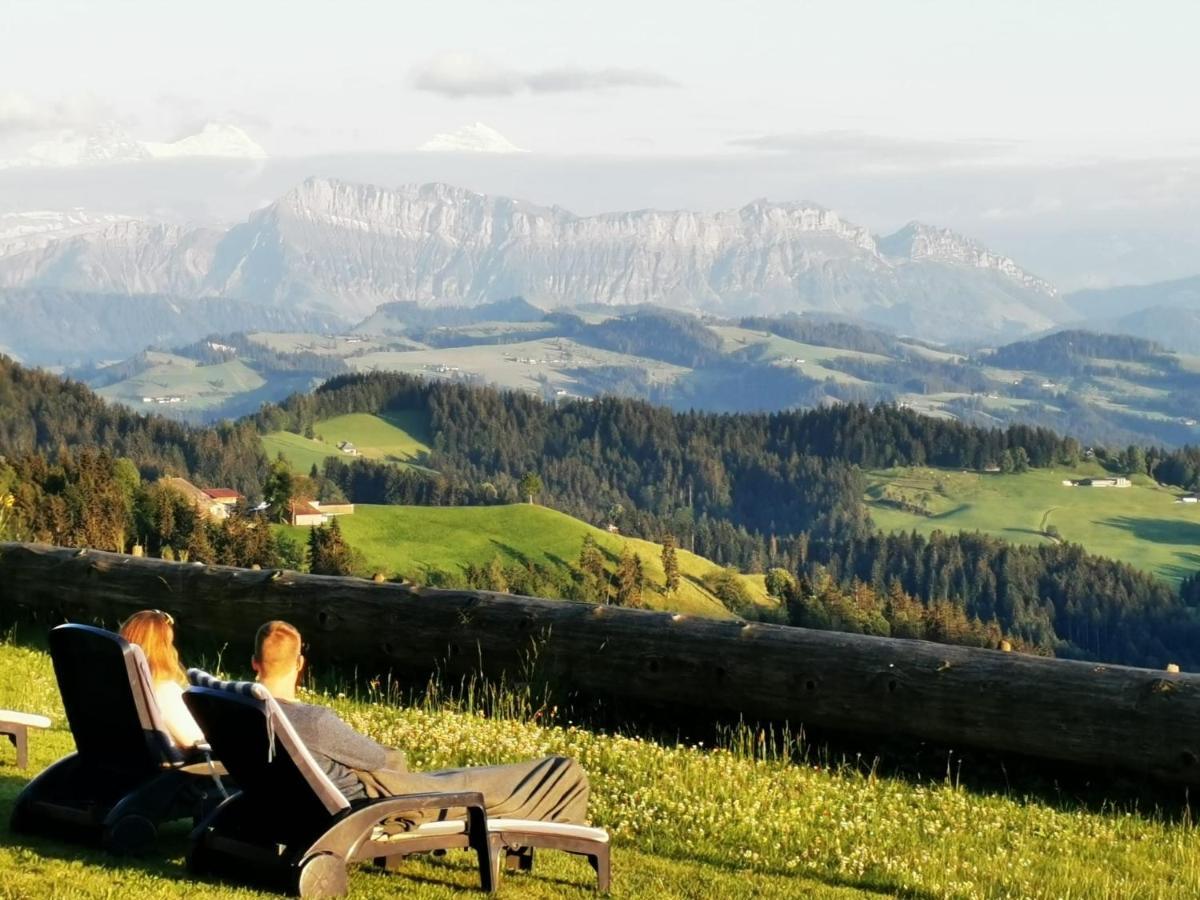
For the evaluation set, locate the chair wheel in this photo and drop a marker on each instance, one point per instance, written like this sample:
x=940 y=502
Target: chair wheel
x=324 y=875
x=130 y=834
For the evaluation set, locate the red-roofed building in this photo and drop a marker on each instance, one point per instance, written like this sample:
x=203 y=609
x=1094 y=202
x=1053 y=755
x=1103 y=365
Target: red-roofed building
x=227 y=496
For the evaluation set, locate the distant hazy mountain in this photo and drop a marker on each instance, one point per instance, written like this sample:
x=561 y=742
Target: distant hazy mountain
x=346 y=248
x=52 y=327
x=110 y=143
x=475 y=138
x=1167 y=311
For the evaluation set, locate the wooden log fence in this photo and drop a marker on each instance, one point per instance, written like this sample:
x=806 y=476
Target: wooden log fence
x=1140 y=720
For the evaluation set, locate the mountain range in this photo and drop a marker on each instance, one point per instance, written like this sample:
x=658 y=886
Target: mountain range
x=109 y=142
x=343 y=249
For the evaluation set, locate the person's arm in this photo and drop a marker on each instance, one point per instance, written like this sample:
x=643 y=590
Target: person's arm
x=335 y=739
x=180 y=725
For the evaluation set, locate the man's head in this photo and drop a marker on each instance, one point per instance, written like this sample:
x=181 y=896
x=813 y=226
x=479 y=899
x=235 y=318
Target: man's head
x=277 y=660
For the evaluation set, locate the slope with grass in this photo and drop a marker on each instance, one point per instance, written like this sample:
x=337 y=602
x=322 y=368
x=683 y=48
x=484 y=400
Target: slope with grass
x=413 y=540
x=756 y=816
x=197 y=386
x=399 y=437
x=1141 y=524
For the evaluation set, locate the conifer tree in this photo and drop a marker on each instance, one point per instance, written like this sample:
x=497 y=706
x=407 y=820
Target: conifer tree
x=631 y=579
x=670 y=564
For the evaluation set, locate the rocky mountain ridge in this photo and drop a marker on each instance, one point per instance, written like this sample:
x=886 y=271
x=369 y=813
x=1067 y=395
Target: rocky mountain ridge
x=346 y=248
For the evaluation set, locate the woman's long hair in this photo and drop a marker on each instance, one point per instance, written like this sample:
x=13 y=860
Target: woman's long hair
x=154 y=631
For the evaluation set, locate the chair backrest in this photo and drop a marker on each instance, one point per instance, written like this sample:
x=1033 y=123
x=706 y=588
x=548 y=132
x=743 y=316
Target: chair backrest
x=257 y=744
x=108 y=696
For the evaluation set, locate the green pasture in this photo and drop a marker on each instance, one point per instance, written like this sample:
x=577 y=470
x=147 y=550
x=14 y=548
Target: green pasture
x=411 y=540
x=1141 y=525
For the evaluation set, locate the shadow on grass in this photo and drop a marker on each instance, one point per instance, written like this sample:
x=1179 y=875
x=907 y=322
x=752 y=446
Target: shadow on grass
x=1158 y=531
x=166 y=862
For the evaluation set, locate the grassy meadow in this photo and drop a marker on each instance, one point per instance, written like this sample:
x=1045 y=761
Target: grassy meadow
x=738 y=820
x=411 y=540
x=401 y=437
x=197 y=386
x=1141 y=525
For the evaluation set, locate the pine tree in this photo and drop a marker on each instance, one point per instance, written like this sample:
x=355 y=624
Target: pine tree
x=199 y=548
x=670 y=564
x=591 y=567
x=631 y=579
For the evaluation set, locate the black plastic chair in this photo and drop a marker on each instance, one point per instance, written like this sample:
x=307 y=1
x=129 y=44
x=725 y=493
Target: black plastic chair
x=126 y=777
x=289 y=828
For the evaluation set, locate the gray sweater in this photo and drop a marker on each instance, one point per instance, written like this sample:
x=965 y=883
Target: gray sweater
x=336 y=747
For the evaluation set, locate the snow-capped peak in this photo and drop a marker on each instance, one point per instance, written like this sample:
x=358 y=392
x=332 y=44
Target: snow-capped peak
x=108 y=142
x=215 y=139
x=475 y=138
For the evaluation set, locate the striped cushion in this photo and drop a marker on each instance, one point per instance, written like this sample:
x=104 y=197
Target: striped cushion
x=200 y=678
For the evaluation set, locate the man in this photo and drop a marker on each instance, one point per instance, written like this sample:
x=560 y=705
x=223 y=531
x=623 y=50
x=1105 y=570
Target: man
x=554 y=789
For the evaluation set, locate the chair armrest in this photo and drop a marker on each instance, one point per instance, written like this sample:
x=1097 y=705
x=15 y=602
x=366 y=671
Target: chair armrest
x=356 y=826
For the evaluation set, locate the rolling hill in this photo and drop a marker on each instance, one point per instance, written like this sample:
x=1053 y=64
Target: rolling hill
x=400 y=437
x=1141 y=525
x=412 y=540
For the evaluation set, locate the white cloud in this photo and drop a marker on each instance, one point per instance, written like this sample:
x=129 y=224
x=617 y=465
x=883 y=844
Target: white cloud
x=21 y=113
x=879 y=152
x=459 y=74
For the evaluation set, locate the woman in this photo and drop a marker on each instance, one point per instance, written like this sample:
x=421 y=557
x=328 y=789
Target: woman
x=154 y=631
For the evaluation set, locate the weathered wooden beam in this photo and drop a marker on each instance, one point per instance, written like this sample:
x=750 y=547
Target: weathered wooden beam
x=1077 y=712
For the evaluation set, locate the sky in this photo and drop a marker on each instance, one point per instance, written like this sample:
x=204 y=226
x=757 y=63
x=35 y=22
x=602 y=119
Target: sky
x=996 y=79
x=1062 y=131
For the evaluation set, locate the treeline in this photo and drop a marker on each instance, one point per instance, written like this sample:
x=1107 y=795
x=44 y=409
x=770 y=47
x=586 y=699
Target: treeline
x=778 y=473
x=40 y=412
x=88 y=498
x=824 y=333
x=1054 y=597
x=1077 y=352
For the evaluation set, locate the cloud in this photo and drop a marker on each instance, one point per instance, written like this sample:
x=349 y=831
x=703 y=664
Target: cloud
x=21 y=113
x=880 y=152
x=464 y=74
x=575 y=79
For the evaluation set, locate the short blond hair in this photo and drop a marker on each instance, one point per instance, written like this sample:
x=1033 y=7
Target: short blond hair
x=276 y=647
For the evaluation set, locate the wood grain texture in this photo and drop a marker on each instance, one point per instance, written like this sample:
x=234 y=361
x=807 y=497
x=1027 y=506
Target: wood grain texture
x=1078 y=712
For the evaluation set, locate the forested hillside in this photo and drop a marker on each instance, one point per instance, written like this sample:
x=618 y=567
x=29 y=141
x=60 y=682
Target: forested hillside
x=40 y=412
x=778 y=493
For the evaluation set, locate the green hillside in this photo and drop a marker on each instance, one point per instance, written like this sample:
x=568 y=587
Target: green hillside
x=1141 y=525
x=736 y=821
x=411 y=540
x=401 y=437
x=196 y=386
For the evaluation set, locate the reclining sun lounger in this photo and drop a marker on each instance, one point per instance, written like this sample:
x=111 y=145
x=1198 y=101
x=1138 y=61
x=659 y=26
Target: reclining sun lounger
x=126 y=777
x=290 y=824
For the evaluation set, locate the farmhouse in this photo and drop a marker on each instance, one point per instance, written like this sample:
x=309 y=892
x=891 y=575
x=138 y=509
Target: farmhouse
x=1119 y=481
x=314 y=512
x=1189 y=498
x=301 y=512
x=206 y=505
x=348 y=448
x=225 y=496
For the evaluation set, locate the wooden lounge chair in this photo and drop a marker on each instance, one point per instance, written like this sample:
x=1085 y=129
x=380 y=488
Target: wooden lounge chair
x=15 y=726
x=292 y=827
x=126 y=777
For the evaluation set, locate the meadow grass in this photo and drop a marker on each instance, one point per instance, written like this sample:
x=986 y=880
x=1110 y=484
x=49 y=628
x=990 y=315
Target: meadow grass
x=1141 y=525
x=752 y=817
x=400 y=437
x=200 y=387
x=411 y=540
